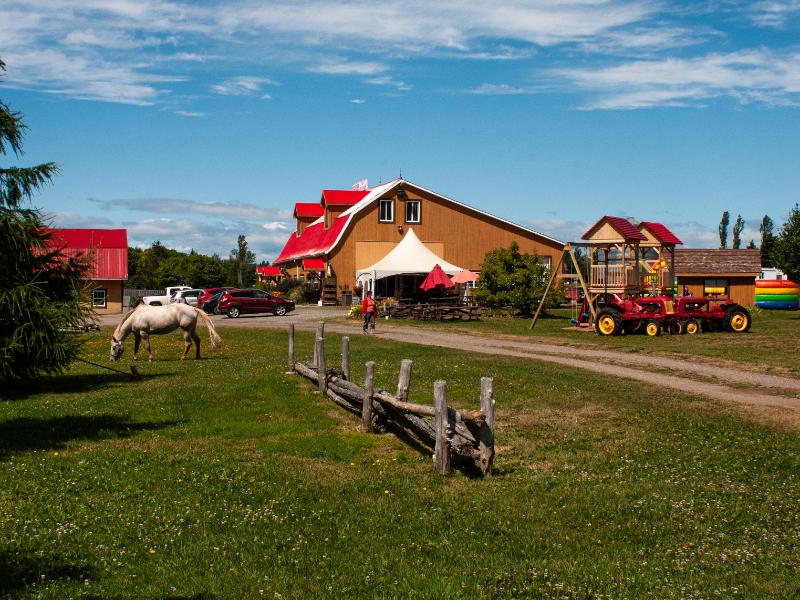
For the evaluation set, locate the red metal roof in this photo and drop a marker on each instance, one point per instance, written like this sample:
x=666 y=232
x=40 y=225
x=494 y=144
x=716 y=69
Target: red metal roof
x=664 y=235
x=308 y=209
x=108 y=246
x=625 y=227
x=315 y=241
x=268 y=270
x=314 y=264
x=348 y=197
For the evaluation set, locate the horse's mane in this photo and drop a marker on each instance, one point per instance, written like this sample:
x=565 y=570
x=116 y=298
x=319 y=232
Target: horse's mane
x=125 y=318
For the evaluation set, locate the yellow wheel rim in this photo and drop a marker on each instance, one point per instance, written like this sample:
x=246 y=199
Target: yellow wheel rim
x=606 y=324
x=738 y=321
x=691 y=328
x=652 y=329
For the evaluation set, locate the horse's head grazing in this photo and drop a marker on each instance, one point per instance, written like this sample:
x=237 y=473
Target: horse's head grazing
x=116 y=349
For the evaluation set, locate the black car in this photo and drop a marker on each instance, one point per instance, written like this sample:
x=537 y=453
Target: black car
x=210 y=305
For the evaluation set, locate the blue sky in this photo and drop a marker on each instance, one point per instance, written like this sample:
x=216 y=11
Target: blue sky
x=194 y=122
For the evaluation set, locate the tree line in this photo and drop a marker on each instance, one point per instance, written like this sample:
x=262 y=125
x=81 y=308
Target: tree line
x=780 y=251
x=158 y=267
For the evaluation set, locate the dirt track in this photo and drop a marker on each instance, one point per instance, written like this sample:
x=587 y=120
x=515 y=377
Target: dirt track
x=617 y=364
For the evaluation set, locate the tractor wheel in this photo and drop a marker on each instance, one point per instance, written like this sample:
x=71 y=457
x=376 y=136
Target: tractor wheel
x=737 y=319
x=692 y=327
x=652 y=328
x=677 y=327
x=609 y=322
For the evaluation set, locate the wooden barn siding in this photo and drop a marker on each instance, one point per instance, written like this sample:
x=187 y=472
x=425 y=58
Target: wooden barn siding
x=742 y=289
x=467 y=236
x=114 y=289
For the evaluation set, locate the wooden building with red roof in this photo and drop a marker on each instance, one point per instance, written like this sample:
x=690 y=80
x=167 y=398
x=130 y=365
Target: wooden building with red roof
x=357 y=228
x=108 y=249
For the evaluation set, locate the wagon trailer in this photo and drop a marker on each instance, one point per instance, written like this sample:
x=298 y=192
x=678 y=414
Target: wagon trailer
x=629 y=285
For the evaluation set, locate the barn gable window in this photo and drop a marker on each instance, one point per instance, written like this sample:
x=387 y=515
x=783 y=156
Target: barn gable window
x=412 y=211
x=386 y=211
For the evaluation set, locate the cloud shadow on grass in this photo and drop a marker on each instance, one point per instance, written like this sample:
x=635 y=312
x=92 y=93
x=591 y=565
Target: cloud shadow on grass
x=26 y=433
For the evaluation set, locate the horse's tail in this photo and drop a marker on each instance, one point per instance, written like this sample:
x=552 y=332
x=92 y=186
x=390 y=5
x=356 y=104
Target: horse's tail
x=216 y=341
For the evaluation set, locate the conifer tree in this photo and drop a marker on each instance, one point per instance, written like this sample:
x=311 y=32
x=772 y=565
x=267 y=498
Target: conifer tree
x=723 y=230
x=738 y=227
x=40 y=287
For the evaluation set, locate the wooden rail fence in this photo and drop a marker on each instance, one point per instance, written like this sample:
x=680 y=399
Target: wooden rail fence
x=454 y=436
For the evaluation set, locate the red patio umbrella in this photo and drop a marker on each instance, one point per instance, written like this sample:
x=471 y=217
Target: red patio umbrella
x=464 y=276
x=437 y=278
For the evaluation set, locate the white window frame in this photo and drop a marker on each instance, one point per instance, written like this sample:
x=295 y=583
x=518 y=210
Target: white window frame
x=409 y=204
x=386 y=202
x=99 y=298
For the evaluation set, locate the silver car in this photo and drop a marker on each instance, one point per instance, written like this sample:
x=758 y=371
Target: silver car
x=186 y=297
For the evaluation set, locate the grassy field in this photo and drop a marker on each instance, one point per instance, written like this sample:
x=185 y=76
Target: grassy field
x=225 y=478
x=772 y=343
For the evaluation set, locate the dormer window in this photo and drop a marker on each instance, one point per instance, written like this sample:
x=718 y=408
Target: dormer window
x=412 y=211
x=386 y=211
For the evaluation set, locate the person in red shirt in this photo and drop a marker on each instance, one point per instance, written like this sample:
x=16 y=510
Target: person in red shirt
x=368 y=310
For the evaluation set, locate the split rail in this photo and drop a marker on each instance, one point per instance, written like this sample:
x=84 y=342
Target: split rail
x=456 y=437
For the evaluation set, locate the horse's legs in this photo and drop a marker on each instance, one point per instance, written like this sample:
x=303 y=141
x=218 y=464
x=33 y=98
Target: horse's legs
x=146 y=338
x=196 y=339
x=187 y=338
x=137 y=338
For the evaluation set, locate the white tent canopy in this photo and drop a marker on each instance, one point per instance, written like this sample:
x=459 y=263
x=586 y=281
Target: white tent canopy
x=410 y=256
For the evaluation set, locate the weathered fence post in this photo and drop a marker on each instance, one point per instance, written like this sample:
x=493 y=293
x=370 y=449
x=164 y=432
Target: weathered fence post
x=366 y=407
x=346 y=358
x=404 y=381
x=320 y=334
x=442 y=449
x=322 y=375
x=291 y=347
x=487 y=428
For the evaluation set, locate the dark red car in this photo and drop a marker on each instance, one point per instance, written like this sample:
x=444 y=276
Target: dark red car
x=236 y=302
x=202 y=298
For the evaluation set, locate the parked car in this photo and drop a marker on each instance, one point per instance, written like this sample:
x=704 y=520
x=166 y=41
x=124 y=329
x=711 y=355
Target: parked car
x=236 y=302
x=165 y=299
x=212 y=304
x=186 y=297
x=208 y=293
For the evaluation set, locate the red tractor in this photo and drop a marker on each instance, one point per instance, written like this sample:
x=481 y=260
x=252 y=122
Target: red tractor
x=652 y=315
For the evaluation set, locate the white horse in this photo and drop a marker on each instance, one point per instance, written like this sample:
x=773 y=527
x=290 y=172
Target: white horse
x=145 y=321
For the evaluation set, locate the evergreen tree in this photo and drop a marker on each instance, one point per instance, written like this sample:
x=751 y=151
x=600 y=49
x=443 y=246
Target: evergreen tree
x=723 y=229
x=767 y=240
x=752 y=245
x=786 y=251
x=40 y=287
x=738 y=227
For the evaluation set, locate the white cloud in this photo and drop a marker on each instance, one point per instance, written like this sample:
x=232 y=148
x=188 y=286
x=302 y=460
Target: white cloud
x=348 y=68
x=773 y=13
x=357 y=101
x=185 y=233
x=386 y=80
x=187 y=113
x=274 y=225
x=175 y=206
x=568 y=231
x=746 y=76
x=492 y=89
x=243 y=86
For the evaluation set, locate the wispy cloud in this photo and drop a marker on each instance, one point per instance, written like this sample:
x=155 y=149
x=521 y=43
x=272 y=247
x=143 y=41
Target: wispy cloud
x=349 y=68
x=560 y=228
x=187 y=113
x=357 y=101
x=243 y=86
x=386 y=80
x=186 y=233
x=502 y=89
x=174 y=206
x=773 y=13
x=747 y=76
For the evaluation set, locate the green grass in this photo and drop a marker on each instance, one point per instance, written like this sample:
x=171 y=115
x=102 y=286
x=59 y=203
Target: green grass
x=773 y=341
x=225 y=478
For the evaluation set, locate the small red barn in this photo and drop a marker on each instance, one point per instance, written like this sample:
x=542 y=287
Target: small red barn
x=109 y=251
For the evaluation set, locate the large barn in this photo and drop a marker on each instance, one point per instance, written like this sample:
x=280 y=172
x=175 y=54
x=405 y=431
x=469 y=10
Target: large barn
x=350 y=230
x=108 y=249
